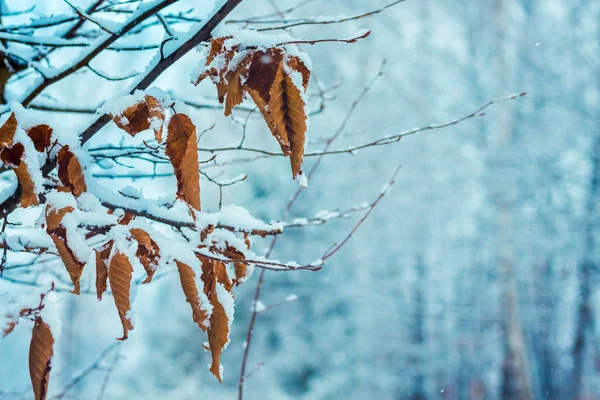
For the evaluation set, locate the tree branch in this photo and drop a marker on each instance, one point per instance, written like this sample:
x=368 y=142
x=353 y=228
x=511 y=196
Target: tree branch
x=202 y=35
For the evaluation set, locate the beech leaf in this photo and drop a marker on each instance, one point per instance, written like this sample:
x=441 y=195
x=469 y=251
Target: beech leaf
x=190 y=289
x=40 y=356
x=217 y=287
x=183 y=153
x=58 y=234
x=142 y=116
x=119 y=277
x=147 y=252
x=40 y=136
x=70 y=172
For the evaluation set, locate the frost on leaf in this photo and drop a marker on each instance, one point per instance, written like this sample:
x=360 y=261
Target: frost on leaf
x=13 y=156
x=119 y=276
x=183 y=153
x=147 y=114
x=40 y=136
x=269 y=77
x=58 y=234
x=70 y=172
x=188 y=283
x=147 y=252
x=217 y=287
x=40 y=356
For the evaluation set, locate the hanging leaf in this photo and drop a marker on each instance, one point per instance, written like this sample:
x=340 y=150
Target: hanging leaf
x=70 y=172
x=119 y=277
x=58 y=234
x=235 y=90
x=190 y=289
x=102 y=256
x=287 y=111
x=267 y=76
x=147 y=252
x=40 y=356
x=147 y=114
x=217 y=287
x=183 y=153
x=40 y=136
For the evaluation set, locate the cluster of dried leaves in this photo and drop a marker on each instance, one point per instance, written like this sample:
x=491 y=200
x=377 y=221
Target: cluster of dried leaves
x=275 y=80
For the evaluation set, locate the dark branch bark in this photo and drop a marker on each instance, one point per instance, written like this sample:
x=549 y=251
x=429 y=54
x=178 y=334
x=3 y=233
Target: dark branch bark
x=202 y=35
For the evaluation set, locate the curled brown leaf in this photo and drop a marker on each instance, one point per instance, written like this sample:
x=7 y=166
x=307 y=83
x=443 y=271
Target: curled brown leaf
x=70 y=172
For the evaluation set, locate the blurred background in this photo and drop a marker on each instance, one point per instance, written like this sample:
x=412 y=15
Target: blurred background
x=475 y=277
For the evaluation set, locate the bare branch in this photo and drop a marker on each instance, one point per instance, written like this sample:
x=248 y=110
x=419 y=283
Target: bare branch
x=327 y=22
x=88 y=17
x=83 y=374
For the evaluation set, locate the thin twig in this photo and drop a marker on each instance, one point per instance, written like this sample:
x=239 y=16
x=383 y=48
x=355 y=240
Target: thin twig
x=88 y=17
x=330 y=21
x=337 y=247
x=292 y=200
x=92 y=367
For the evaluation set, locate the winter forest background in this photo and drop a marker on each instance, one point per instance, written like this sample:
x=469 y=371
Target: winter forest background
x=475 y=277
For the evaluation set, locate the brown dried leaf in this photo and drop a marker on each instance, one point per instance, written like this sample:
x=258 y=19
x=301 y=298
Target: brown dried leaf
x=262 y=71
x=40 y=135
x=102 y=256
x=188 y=284
x=119 y=276
x=214 y=273
x=28 y=198
x=58 y=234
x=138 y=117
x=287 y=111
x=13 y=158
x=182 y=151
x=40 y=356
x=70 y=172
x=8 y=130
x=157 y=113
x=147 y=252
